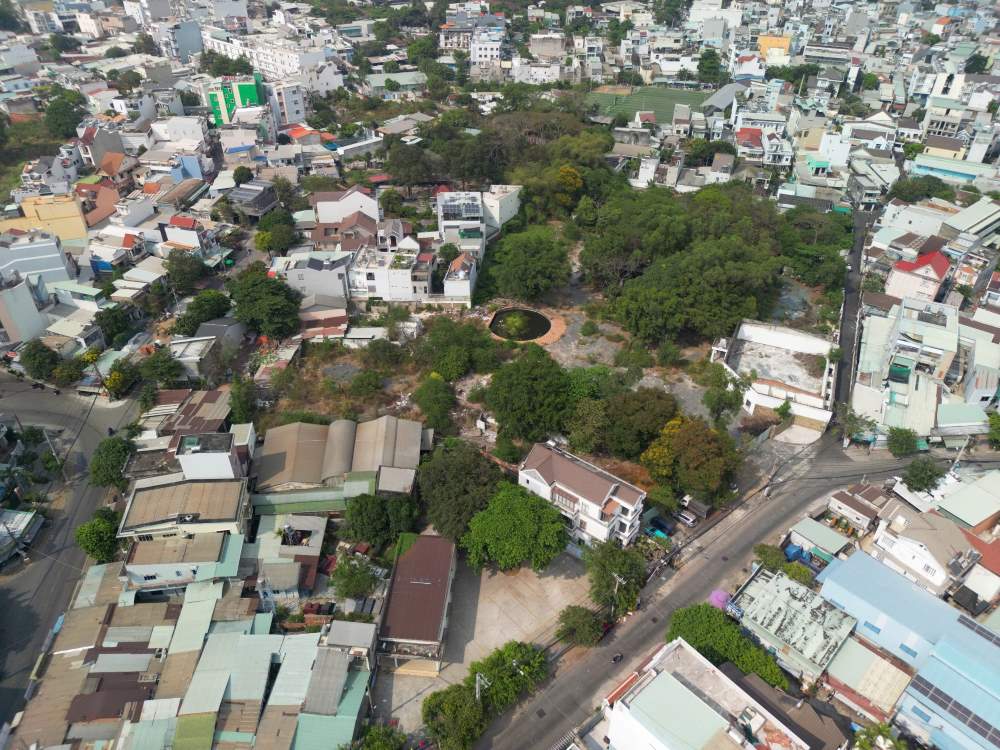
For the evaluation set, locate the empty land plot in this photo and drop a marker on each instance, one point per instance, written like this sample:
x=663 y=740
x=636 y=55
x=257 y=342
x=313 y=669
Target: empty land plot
x=656 y=98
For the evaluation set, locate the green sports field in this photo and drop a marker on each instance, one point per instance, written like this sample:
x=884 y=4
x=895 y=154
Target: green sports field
x=656 y=98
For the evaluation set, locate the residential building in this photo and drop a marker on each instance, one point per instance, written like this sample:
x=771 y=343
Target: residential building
x=927 y=548
x=678 y=700
x=786 y=366
x=288 y=100
x=172 y=563
x=274 y=56
x=59 y=215
x=920 y=279
x=34 y=253
x=21 y=318
x=598 y=506
x=335 y=207
x=853 y=506
x=415 y=620
x=395 y=86
x=867 y=680
x=170 y=505
x=315 y=272
x=462 y=222
x=254 y=198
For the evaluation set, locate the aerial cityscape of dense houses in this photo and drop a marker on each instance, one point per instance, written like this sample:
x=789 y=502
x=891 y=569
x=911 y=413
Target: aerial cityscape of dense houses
x=384 y=374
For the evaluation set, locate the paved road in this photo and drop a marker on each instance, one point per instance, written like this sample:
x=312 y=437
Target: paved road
x=852 y=303
x=575 y=690
x=33 y=595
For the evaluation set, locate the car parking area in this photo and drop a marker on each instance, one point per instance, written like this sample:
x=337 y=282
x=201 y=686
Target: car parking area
x=487 y=610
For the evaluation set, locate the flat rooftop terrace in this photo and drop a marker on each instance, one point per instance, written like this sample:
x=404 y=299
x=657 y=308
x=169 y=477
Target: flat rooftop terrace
x=793 y=369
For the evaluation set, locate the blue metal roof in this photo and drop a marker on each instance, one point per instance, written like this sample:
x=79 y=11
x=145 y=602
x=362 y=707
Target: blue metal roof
x=884 y=590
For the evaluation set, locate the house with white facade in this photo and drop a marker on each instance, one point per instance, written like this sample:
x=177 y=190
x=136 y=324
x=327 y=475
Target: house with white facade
x=787 y=366
x=334 y=207
x=599 y=506
x=919 y=279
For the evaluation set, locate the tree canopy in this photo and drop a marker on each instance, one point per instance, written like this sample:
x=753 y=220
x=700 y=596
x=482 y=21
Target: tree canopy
x=515 y=527
x=379 y=519
x=435 y=398
x=353 y=578
x=456 y=482
x=98 y=537
x=207 y=305
x=529 y=395
x=606 y=560
x=161 y=368
x=107 y=465
x=184 y=270
x=64 y=112
x=902 y=441
x=38 y=360
x=579 y=626
x=265 y=304
x=692 y=458
x=923 y=474
x=913 y=189
x=529 y=264
x=718 y=639
x=453 y=349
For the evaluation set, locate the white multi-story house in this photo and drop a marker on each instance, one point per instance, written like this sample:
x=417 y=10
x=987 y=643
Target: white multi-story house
x=288 y=100
x=927 y=548
x=35 y=255
x=600 y=506
x=486 y=45
x=272 y=55
x=334 y=207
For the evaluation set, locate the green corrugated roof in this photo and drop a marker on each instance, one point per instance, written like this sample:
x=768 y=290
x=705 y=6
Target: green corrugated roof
x=229 y=565
x=958 y=414
x=194 y=732
x=821 y=535
x=851 y=663
x=316 y=732
x=319 y=500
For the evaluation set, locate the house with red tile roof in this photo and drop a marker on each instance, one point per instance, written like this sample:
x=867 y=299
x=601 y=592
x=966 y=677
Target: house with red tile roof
x=918 y=279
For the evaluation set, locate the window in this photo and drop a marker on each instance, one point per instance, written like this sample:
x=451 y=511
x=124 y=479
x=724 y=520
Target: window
x=874 y=628
x=149 y=578
x=370 y=276
x=145 y=537
x=907 y=650
x=921 y=714
x=930 y=570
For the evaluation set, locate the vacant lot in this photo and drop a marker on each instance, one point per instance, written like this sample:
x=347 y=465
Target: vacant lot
x=486 y=611
x=656 y=98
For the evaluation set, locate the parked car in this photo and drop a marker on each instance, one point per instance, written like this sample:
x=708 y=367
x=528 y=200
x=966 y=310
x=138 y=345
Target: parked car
x=687 y=518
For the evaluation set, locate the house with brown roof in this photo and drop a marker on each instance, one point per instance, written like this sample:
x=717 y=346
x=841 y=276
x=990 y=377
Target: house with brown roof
x=334 y=206
x=119 y=168
x=169 y=505
x=599 y=506
x=416 y=612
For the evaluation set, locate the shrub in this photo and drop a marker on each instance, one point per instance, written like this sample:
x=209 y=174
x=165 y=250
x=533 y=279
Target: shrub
x=589 y=328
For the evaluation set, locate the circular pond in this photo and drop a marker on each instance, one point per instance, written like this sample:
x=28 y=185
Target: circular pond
x=519 y=324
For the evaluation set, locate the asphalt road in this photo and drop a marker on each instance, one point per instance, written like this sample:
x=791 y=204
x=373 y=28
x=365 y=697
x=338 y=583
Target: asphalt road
x=34 y=594
x=569 y=697
x=852 y=304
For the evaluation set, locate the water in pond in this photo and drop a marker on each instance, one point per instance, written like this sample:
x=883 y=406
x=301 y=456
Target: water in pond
x=519 y=324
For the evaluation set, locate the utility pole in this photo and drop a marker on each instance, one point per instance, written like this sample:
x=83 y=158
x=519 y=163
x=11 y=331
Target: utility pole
x=481 y=684
x=958 y=458
x=614 y=600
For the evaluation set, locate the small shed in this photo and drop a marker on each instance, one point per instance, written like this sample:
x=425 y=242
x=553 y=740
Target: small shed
x=817 y=538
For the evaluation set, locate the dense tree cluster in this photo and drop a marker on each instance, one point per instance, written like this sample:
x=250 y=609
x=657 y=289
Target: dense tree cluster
x=913 y=189
x=455 y=483
x=718 y=639
x=265 y=304
x=692 y=458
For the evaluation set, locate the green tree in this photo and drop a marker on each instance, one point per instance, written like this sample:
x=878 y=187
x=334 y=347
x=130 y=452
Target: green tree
x=770 y=556
x=512 y=671
x=207 y=305
x=107 y=465
x=113 y=321
x=529 y=395
x=515 y=527
x=365 y=384
x=605 y=561
x=923 y=475
x=902 y=441
x=869 y=81
x=274 y=218
x=409 y=165
x=586 y=212
x=64 y=112
x=242 y=174
x=455 y=483
x=392 y=203
x=242 y=400
x=692 y=457
x=266 y=305
x=382 y=737
x=145 y=45
x=530 y=263
x=638 y=418
x=587 y=425
x=128 y=81
x=98 y=536
x=38 y=360
x=68 y=371
x=9 y=18
x=114 y=52
x=161 y=368
x=379 y=519
x=453 y=717
x=911 y=150
x=723 y=396
x=120 y=378
x=579 y=626
x=453 y=349
x=59 y=43
x=994 y=431
x=913 y=189
x=184 y=270
x=850 y=424
x=701 y=153
x=710 y=67
x=353 y=578
x=435 y=398
x=976 y=63
x=878 y=737
x=276 y=240
x=719 y=640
